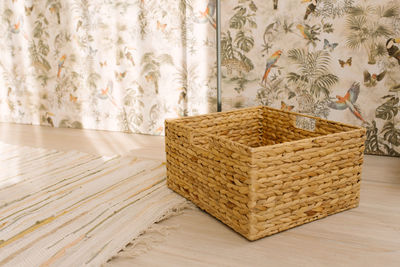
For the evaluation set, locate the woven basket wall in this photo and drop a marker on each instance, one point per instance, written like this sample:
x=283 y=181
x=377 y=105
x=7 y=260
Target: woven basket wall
x=261 y=170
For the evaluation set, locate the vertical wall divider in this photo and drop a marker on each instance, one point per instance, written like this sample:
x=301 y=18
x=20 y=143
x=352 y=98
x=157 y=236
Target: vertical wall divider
x=218 y=41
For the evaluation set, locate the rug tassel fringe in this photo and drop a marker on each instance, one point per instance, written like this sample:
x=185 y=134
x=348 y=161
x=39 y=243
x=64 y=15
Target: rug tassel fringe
x=154 y=235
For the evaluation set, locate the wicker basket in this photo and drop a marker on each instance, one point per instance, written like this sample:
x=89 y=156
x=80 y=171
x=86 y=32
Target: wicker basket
x=261 y=170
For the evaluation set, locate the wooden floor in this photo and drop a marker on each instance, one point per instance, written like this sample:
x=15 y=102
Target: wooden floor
x=365 y=236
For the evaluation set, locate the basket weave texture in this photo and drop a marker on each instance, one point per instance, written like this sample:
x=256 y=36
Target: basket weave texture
x=259 y=171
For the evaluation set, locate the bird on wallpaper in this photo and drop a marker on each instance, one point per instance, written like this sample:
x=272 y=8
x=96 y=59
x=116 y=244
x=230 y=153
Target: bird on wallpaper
x=392 y=49
x=271 y=61
x=55 y=9
x=310 y=8
x=286 y=107
x=129 y=56
x=50 y=121
x=47 y=117
x=348 y=101
x=106 y=93
x=208 y=14
x=370 y=80
x=61 y=62
x=304 y=32
x=16 y=28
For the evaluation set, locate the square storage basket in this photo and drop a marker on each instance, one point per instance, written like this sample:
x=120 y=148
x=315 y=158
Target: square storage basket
x=261 y=170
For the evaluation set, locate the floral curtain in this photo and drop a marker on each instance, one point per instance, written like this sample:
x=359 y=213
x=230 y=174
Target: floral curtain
x=122 y=65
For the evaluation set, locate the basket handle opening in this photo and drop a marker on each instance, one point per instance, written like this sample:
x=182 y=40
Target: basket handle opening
x=305 y=123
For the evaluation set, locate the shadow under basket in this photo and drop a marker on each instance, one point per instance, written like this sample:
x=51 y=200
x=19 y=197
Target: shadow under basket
x=261 y=170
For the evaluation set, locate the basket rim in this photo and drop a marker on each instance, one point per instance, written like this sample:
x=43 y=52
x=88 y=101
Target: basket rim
x=264 y=107
x=267 y=147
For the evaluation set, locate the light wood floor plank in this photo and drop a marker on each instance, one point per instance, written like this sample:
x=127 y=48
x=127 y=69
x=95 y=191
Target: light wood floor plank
x=366 y=236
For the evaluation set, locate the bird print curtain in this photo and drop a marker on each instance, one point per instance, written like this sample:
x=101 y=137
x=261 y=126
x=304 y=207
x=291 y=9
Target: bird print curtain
x=121 y=65
x=127 y=65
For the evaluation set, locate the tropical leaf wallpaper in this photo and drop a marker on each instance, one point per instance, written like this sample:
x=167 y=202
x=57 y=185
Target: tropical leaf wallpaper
x=126 y=65
x=336 y=59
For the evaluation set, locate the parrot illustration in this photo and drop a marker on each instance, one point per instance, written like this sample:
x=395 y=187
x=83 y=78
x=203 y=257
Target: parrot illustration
x=61 y=65
x=107 y=93
x=372 y=80
x=271 y=63
x=310 y=8
x=208 y=14
x=348 y=101
x=392 y=49
x=304 y=32
x=16 y=28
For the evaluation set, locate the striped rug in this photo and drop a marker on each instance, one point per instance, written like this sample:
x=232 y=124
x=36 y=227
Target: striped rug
x=75 y=209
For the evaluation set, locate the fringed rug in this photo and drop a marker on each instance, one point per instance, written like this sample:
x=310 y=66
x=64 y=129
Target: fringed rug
x=75 y=209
